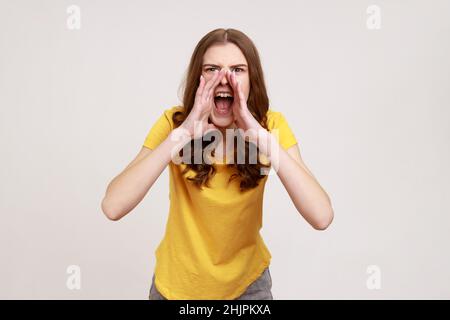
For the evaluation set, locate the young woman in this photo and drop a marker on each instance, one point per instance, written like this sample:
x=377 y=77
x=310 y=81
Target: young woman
x=212 y=248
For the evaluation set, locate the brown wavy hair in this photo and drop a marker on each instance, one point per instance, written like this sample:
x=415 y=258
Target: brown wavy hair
x=258 y=105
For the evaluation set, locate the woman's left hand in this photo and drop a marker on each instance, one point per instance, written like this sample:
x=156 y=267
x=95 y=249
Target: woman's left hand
x=243 y=118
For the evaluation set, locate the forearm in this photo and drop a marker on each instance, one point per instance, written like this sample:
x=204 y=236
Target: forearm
x=127 y=189
x=309 y=198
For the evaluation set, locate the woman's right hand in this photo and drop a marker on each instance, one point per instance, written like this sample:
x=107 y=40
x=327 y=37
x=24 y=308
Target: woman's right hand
x=196 y=123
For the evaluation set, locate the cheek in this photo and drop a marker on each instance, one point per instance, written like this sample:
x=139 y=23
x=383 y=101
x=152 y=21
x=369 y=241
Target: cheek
x=246 y=88
x=207 y=75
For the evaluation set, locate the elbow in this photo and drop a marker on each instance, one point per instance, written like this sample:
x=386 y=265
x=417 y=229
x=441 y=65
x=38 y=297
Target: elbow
x=109 y=211
x=324 y=222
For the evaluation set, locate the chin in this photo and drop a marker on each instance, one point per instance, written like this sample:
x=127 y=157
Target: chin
x=222 y=121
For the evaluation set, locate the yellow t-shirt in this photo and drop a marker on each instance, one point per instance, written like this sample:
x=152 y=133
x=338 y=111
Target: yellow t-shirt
x=212 y=248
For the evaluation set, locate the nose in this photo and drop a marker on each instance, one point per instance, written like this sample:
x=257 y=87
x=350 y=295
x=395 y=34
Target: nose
x=224 y=80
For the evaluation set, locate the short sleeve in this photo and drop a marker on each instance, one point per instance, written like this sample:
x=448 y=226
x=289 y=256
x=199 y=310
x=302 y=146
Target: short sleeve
x=278 y=125
x=159 y=131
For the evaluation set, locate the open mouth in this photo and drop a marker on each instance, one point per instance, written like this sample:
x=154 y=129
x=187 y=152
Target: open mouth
x=223 y=102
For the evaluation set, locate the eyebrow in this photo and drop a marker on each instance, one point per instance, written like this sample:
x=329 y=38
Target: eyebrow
x=215 y=65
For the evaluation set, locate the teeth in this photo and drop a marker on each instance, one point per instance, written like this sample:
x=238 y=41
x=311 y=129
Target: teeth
x=223 y=95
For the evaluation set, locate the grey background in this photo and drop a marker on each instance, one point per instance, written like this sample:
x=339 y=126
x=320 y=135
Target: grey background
x=370 y=109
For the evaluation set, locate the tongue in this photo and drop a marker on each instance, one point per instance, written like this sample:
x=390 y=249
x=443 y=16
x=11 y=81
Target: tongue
x=223 y=104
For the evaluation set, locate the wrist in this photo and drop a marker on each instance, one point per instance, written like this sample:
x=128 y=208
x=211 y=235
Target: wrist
x=180 y=136
x=181 y=132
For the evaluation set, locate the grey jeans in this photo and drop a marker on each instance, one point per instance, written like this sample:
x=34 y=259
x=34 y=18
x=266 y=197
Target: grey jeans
x=260 y=289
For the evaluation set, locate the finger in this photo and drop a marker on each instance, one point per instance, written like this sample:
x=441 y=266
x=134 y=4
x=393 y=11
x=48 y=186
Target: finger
x=241 y=95
x=234 y=84
x=209 y=100
x=209 y=84
x=206 y=88
x=228 y=75
x=238 y=90
x=201 y=86
x=210 y=92
x=216 y=81
x=233 y=81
